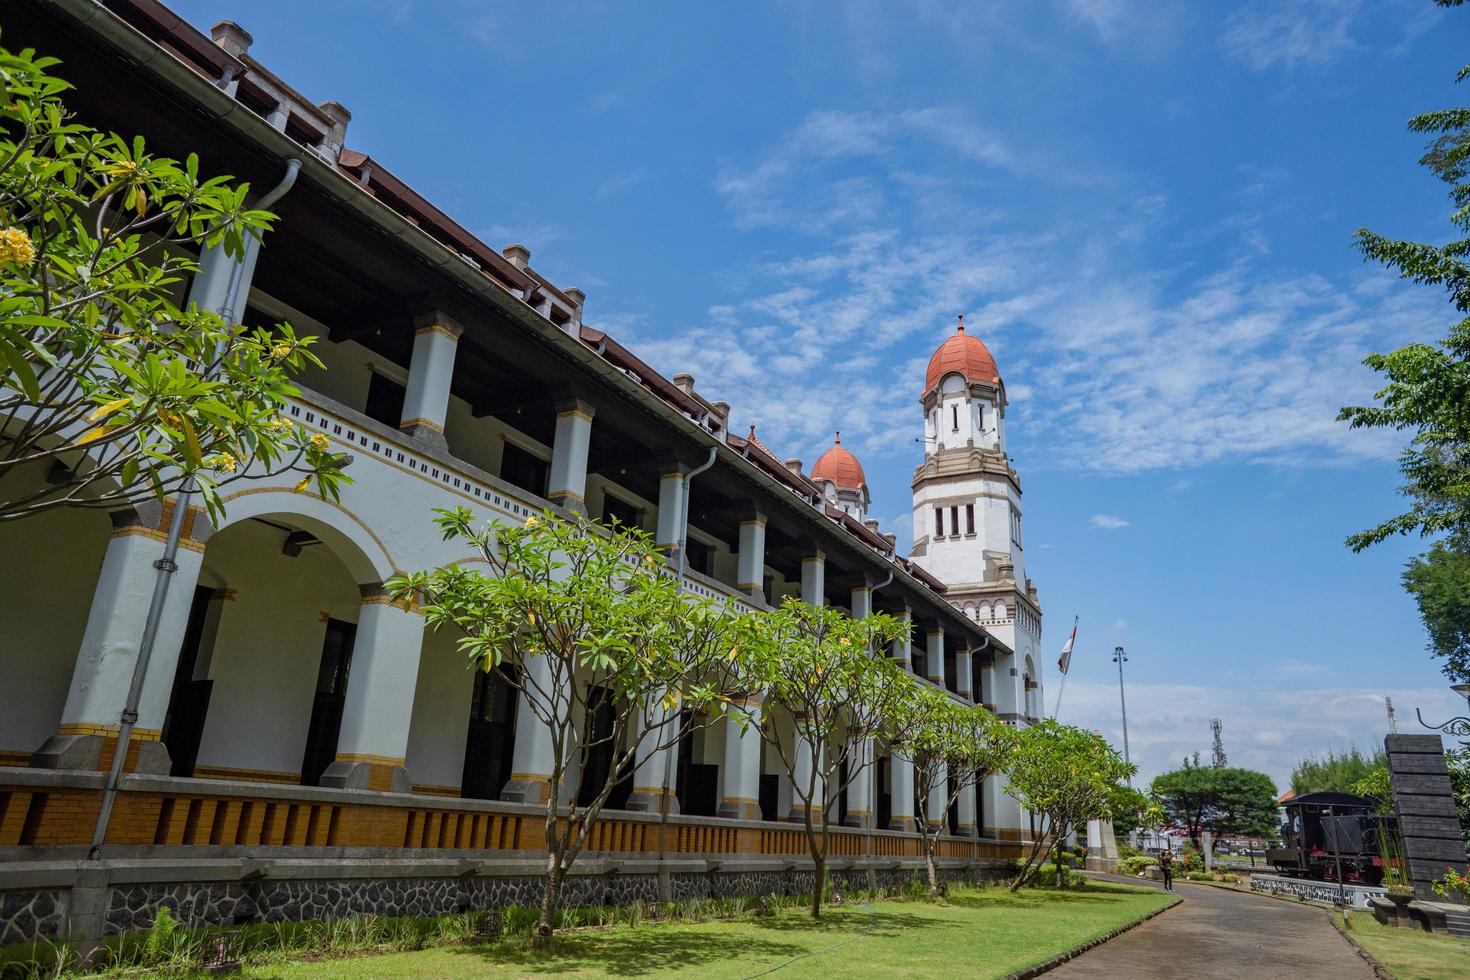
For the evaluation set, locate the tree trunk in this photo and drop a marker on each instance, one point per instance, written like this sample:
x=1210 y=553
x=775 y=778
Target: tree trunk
x=819 y=881
x=550 y=896
x=929 y=870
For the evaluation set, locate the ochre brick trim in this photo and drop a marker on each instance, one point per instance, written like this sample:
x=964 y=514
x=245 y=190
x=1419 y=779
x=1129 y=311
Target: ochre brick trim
x=247 y=775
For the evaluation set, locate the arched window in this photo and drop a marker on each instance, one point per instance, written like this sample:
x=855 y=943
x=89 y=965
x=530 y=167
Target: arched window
x=954 y=417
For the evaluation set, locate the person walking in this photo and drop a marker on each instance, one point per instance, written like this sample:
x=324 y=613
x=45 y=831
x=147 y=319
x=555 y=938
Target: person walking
x=1166 y=865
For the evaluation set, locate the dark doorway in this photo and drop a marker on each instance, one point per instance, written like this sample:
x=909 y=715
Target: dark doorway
x=883 y=797
x=385 y=400
x=954 y=818
x=520 y=468
x=188 y=702
x=770 y=796
x=597 y=758
x=842 y=796
x=331 y=695
x=695 y=783
x=489 y=745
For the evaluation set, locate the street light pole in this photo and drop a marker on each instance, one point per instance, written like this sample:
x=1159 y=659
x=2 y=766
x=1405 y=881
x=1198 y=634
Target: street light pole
x=1120 y=658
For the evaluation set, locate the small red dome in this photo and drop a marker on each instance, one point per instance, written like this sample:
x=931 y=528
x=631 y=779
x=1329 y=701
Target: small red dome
x=963 y=354
x=840 y=466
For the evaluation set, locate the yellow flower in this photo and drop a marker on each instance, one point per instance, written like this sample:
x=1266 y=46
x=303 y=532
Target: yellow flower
x=278 y=424
x=224 y=462
x=280 y=351
x=320 y=442
x=531 y=521
x=122 y=168
x=15 y=246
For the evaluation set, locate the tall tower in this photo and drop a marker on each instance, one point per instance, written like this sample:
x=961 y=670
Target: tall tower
x=967 y=517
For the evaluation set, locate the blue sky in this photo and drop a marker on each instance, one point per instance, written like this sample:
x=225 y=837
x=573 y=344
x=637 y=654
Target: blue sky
x=1144 y=207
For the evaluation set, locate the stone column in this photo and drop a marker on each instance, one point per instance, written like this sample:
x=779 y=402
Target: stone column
x=750 y=573
x=568 y=484
x=934 y=656
x=963 y=664
x=379 y=700
x=1003 y=818
x=966 y=806
x=862 y=601
x=860 y=789
x=654 y=774
x=103 y=673
x=814 y=579
x=936 y=810
x=670 y=508
x=430 y=373
x=801 y=776
x=533 y=753
x=901 y=792
x=741 y=799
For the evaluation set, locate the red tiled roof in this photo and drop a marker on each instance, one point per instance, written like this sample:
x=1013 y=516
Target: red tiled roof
x=840 y=466
x=964 y=354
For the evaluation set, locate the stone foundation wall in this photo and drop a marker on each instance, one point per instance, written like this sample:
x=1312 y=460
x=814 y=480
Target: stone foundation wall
x=1315 y=891
x=26 y=916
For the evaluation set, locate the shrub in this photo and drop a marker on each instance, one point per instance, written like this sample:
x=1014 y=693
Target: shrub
x=1135 y=864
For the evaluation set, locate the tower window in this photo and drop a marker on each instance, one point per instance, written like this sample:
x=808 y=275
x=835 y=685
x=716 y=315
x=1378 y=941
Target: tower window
x=954 y=417
x=969 y=518
x=939 y=522
x=954 y=521
x=980 y=415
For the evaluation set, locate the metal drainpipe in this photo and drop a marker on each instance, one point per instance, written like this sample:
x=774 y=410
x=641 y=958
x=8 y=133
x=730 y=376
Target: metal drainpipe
x=167 y=564
x=665 y=883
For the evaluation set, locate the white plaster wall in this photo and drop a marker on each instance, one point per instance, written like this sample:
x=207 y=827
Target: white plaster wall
x=53 y=561
x=441 y=712
x=269 y=646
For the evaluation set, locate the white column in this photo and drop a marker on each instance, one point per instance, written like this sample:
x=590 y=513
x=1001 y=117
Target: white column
x=862 y=601
x=814 y=579
x=378 y=707
x=654 y=773
x=860 y=789
x=934 y=656
x=750 y=573
x=670 y=507
x=573 y=439
x=901 y=792
x=936 y=806
x=963 y=663
x=966 y=805
x=103 y=673
x=903 y=647
x=801 y=779
x=533 y=752
x=430 y=374
x=1003 y=818
x=741 y=798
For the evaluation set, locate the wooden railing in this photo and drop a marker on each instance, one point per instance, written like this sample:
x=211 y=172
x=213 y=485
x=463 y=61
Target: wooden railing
x=46 y=808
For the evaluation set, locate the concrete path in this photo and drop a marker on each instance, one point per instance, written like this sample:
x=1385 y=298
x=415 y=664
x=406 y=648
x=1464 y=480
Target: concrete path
x=1219 y=933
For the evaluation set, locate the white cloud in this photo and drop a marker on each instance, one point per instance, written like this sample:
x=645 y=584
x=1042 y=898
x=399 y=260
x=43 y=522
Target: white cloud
x=1107 y=522
x=1120 y=624
x=1289 y=33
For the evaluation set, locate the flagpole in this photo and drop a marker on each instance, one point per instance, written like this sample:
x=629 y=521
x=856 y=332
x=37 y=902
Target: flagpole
x=1065 y=665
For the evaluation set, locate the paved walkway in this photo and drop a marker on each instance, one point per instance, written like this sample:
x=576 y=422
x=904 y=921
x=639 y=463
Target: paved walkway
x=1219 y=933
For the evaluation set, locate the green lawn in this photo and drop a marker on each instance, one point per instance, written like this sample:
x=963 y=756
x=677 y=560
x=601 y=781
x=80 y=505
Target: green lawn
x=987 y=933
x=1410 y=954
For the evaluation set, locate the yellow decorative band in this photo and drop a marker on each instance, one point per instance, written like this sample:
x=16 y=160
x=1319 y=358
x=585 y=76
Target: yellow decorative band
x=420 y=423
x=811 y=558
x=436 y=328
x=752 y=586
x=754 y=522
x=651 y=790
x=529 y=777
x=107 y=731
x=376 y=760
x=188 y=544
x=424 y=790
x=224 y=595
x=745 y=799
x=576 y=413
x=858 y=813
x=566 y=495
x=247 y=775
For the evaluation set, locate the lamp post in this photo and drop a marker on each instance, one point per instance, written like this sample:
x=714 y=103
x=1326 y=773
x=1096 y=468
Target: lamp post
x=1120 y=658
x=1459 y=727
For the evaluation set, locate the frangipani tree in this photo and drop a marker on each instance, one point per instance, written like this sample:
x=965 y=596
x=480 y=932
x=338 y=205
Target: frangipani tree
x=834 y=692
x=1065 y=776
x=952 y=747
x=110 y=394
x=588 y=619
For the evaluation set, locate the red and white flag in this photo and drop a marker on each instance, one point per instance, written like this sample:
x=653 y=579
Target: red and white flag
x=1066 y=658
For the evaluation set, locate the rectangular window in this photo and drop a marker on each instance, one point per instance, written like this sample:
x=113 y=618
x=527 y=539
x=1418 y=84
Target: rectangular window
x=384 y=400
x=939 y=522
x=980 y=416
x=521 y=469
x=699 y=556
x=954 y=520
x=615 y=511
x=1016 y=526
x=954 y=417
x=969 y=518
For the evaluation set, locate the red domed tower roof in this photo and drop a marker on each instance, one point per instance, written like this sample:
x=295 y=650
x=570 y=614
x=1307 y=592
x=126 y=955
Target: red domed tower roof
x=964 y=354
x=840 y=466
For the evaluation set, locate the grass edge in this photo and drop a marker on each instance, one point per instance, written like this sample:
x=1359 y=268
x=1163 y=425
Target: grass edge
x=1047 y=965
